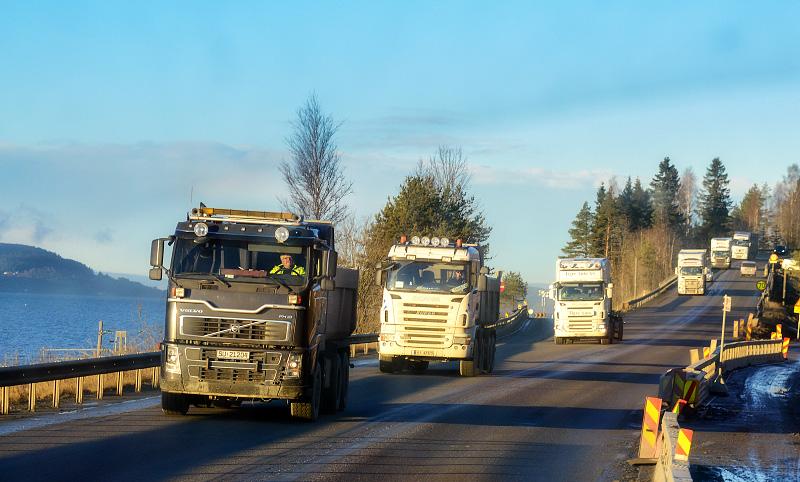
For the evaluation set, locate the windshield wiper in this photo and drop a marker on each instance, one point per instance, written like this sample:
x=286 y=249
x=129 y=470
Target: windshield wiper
x=279 y=281
x=209 y=276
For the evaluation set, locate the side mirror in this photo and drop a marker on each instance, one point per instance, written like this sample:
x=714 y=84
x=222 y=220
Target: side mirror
x=610 y=290
x=379 y=274
x=327 y=284
x=676 y=269
x=551 y=291
x=482 y=282
x=329 y=260
x=157 y=253
x=156 y=273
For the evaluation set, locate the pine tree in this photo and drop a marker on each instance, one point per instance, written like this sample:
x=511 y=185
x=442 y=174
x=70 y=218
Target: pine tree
x=607 y=227
x=665 y=186
x=715 y=201
x=581 y=234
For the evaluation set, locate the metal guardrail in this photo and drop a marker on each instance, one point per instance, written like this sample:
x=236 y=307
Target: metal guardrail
x=641 y=300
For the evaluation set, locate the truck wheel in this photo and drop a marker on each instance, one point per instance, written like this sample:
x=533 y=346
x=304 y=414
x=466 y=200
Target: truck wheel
x=386 y=366
x=344 y=358
x=418 y=366
x=621 y=324
x=466 y=368
x=492 y=351
x=477 y=353
x=309 y=410
x=332 y=393
x=174 y=404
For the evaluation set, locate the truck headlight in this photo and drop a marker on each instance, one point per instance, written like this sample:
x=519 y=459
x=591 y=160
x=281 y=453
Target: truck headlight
x=294 y=365
x=172 y=362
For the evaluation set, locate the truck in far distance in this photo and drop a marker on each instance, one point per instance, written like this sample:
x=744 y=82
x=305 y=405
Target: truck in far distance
x=439 y=304
x=692 y=271
x=721 y=252
x=744 y=245
x=256 y=310
x=582 y=295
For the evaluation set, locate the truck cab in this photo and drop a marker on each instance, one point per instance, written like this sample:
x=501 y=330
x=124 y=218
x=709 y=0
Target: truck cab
x=721 y=253
x=438 y=305
x=256 y=310
x=692 y=271
x=582 y=296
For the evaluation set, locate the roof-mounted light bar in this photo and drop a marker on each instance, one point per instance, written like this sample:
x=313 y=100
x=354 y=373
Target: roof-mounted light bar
x=435 y=242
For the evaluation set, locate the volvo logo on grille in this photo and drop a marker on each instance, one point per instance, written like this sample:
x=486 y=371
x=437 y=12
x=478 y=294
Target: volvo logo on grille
x=235 y=328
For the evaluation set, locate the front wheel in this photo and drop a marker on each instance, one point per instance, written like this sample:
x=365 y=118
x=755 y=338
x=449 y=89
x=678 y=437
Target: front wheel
x=174 y=404
x=344 y=358
x=309 y=410
x=466 y=368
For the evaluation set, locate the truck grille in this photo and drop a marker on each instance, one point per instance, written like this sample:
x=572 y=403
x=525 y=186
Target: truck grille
x=261 y=366
x=424 y=325
x=580 y=325
x=235 y=375
x=235 y=329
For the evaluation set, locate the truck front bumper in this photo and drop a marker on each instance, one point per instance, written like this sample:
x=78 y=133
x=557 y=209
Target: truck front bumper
x=199 y=372
x=454 y=352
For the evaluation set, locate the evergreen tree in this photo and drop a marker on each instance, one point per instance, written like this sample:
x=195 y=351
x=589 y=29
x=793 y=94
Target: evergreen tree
x=714 y=202
x=581 y=234
x=607 y=226
x=665 y=186
x=515 y=287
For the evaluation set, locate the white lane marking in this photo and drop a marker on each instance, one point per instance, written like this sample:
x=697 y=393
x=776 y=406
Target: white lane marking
x=82 y=413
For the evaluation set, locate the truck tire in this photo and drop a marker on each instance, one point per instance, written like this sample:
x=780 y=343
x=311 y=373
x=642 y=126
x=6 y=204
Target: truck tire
x=478 y=352
x=466 y=368
x=332 y=393
x=620 y=324
x=386 y=366
x=344 y=358
x=309 y=410
x=174 y=404
x=492 y=350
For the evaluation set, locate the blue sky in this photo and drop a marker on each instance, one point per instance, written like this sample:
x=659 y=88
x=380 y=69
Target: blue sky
x=112 y=113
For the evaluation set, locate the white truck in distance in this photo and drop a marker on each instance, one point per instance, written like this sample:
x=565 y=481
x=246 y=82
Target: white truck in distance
x=439 y=304
x=692 y=271
x=744 y=245
x=721 y=252
x=582 y=297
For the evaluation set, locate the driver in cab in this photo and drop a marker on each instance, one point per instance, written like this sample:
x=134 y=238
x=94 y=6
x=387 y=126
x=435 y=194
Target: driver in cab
x=287 y=267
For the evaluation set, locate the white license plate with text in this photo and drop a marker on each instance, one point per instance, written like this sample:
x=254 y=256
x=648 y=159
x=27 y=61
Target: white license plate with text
x=233 y=355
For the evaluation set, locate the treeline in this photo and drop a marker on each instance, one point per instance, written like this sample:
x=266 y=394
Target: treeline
x=640 y=229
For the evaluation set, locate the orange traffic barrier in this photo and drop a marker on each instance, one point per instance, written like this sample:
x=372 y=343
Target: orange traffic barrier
x=679 y=406
x=778 y=330
x=706 y=352
x=749 y=333
x=683 y=388
x=650 y=423
x=785 y=349
x=684 y=445
x=773 y=335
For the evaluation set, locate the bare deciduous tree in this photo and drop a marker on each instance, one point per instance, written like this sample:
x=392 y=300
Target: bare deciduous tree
x=314 y=175
x=687 y=195
x=448 y=168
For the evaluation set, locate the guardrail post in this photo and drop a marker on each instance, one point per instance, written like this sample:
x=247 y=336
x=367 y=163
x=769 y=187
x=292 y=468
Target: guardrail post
x=138 y=383
x=5 y=407
x=56 y=393
x=79 y=390
x=32 y=397
x=99 y=387
x=155 y=377
x=120 y=383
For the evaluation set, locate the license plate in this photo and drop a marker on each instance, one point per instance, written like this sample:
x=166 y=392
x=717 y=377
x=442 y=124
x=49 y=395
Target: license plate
x=233 y=355
x=422 y=352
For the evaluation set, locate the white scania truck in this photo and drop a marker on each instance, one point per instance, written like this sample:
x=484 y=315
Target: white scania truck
x=744 y=245
x=721 y=252
x=439 y=304
x=692 y=271
x=582 y=296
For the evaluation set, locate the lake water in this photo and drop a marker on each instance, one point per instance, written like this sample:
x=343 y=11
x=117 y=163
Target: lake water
x=30 y=322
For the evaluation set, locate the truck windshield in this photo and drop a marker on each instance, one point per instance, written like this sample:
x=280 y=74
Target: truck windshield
x=581 y=292
x=691 y=271
x=428 y=277
x=240 y=260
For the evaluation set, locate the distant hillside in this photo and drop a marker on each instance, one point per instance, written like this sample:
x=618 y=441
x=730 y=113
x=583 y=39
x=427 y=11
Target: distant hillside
x=27 y=269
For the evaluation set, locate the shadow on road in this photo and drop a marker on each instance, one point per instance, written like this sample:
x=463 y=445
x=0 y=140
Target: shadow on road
x=622 y=377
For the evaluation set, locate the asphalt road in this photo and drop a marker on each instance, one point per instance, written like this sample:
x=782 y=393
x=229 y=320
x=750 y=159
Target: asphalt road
x=548 y=412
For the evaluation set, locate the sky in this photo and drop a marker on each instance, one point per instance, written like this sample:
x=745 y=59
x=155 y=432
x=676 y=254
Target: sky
x=117 y=117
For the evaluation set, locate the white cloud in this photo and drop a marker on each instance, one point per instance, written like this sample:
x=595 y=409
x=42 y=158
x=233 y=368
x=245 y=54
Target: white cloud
x=539 y=176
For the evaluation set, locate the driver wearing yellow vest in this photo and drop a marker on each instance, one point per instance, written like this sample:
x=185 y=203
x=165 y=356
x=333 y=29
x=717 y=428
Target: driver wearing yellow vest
x=288 y=267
